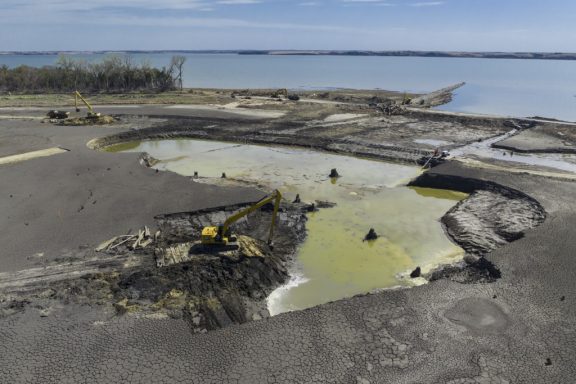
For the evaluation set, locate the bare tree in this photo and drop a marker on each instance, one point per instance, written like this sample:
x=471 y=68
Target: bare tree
x=177 y=63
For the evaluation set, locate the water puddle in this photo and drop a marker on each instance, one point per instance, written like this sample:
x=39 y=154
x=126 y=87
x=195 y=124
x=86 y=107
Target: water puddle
x=333 y=262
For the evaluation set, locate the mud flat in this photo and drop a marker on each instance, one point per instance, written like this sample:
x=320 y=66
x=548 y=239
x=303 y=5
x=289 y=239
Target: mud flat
x=403 y=138
x=514 y=325
x=492 y=216
x=444 y=332
x=542 y=139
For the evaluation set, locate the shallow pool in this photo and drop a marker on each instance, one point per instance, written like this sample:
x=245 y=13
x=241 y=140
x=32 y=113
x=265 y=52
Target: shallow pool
x=334 y=261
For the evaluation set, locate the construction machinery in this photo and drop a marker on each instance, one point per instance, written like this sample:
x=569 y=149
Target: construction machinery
x=280 y=92
x=221 y=235
x=433 y=160
x=91 y=114
x=59 y=115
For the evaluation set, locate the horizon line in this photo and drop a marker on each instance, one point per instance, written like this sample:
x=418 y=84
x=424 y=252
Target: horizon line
x=56 y=51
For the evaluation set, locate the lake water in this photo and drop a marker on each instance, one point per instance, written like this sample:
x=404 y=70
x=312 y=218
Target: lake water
x=494 y=86
x=333 y=262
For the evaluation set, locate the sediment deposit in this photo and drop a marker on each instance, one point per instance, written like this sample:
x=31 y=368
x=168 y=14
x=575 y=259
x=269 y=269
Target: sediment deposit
x=133 y=321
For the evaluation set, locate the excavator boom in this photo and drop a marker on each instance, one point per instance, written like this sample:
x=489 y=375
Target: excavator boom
x=91 y=112
x=220 y=235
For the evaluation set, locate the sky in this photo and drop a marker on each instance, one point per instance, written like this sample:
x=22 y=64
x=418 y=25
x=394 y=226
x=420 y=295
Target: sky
x=465 y=25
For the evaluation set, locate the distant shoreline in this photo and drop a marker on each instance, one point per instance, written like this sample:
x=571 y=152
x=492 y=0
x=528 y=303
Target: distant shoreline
x=441 y=54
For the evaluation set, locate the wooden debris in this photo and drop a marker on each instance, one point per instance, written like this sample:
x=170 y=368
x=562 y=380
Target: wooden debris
x=146 y=243
x=120 y=243
x=173 y=255
x=138 y=239
x=250 y=247
x=106 y=244
x=141 y=240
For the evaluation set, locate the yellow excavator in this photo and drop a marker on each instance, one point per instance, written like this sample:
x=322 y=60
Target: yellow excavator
x=91 y=114
x=221 y=235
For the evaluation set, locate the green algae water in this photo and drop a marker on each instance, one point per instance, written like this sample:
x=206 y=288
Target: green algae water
x=333 y=262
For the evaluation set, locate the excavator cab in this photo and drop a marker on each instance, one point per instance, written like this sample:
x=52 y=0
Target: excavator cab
x=214 y=236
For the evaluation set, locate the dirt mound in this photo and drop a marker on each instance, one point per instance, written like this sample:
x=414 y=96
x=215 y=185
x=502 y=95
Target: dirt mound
x=474 y=226
x=183 y=252
x=79 y=121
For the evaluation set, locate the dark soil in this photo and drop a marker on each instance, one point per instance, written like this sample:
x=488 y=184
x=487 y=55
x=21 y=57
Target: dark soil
x=212 y=289
x=491 y=217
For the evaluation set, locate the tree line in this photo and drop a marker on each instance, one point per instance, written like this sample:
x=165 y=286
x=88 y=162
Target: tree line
x=112 y=74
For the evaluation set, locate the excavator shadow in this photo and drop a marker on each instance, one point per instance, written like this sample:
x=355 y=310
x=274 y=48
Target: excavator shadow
x=201 y=249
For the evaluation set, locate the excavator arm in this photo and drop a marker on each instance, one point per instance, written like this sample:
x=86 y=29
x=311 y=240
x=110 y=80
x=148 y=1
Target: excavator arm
x=234 y=218
x=219 y=235
x=91 y=112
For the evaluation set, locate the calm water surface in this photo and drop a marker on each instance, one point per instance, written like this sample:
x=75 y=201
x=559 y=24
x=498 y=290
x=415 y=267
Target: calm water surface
x=494 y=86
x=333 y=262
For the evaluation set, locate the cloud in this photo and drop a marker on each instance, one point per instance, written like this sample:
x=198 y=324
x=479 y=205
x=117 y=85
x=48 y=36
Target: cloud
x=380 y=3
x=60 y=12
x=72 y=5
x=238 y=2
x=211 y=23
x=363 y=1
x=54 y=7
x=145 y=13
x=427 y=4
x=386 y=3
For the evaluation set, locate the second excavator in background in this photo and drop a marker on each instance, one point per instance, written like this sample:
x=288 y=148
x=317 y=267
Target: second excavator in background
x=91 y=114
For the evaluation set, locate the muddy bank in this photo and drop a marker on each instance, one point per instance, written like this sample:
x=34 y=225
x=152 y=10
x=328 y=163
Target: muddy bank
x=487 y=220
x=208 y=287
x=404 y=138
x=547 y=138
x=491 y=217
x=56 y=210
